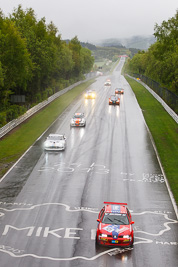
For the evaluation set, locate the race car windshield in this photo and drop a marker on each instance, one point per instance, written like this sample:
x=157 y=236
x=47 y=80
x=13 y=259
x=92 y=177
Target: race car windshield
x=55 y=138
x=113 y=97
x=78 y=116
x=118 y=219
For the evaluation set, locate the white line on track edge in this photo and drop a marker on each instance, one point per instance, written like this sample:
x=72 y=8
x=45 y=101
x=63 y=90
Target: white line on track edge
x=14 y=164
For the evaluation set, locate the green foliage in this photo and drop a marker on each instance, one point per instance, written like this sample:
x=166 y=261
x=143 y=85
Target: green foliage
x=33 y=58
x=76 y=47
x=87 y=60
x=13 y=112
x=160 y=62
x=16 y=65
x=2 y=118
x=1 y=76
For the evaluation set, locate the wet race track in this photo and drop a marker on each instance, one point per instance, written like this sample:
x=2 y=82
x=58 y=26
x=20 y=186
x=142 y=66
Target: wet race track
x=49 y=201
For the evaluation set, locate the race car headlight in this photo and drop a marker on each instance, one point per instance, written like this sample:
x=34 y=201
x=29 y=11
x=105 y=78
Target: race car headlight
x=93 y=95
x=103 y=235
x=126 y=236
x=47 y=144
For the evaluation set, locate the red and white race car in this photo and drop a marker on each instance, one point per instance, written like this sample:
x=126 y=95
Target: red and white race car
x=108 y=82
x=115 y=225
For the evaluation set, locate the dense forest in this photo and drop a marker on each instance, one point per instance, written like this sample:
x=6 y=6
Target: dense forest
x=35 y=62
x=160 y=61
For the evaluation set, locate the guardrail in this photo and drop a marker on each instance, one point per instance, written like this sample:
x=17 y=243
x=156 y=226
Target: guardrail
x=170 y=98
x=14 y=123
x=166 y=107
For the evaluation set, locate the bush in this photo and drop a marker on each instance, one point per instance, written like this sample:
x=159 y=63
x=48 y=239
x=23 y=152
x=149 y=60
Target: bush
x=2 y=119
x=11 y=113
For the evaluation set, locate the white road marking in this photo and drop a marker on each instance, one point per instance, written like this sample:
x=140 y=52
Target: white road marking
x=62 y=167
x=71 y=233
x=48 y=204
x=59 y=259
x=14 y=164
x=93 y=234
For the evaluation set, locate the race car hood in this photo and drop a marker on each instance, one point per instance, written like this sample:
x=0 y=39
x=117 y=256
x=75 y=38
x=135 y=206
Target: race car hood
x=115 y=230
x=50 y=142
x=77 y=119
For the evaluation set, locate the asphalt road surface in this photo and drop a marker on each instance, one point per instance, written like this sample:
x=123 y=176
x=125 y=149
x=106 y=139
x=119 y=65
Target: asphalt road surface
x=49 y=201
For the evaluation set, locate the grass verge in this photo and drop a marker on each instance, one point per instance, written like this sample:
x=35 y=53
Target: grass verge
x=14 y=144
x=164 y=131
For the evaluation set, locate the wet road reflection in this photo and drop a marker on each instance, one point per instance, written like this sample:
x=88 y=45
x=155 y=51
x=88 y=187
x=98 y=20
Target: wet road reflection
x=49 y=202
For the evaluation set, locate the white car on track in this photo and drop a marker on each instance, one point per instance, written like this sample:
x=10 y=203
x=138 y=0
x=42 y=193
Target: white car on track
x=107 y=83
x=55 y=142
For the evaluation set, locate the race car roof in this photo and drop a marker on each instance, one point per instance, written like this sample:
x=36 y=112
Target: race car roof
x=77 y=114
x=115 y=208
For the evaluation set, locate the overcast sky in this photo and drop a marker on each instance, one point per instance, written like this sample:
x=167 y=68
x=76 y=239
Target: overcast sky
x=92 y=20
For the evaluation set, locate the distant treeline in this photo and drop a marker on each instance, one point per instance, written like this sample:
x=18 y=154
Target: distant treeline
x=35 y=61
x=160 y=62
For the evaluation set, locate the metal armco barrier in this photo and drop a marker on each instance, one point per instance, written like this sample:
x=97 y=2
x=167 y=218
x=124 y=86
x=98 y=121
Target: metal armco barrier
x=12 y=124
x=170 y=98
x=166 y=107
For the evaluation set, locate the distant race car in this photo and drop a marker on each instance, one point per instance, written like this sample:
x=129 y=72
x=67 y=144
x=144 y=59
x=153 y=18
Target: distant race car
x=55 y=142
x=115 y=225
x=107 y=83
x=114 y=100
x=90 y=94
x=78 y=120
x=119 y=91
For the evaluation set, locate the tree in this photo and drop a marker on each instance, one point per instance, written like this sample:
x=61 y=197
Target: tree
x=160 y=62
x=75 y=47
x=16 y=65
x=87 y=60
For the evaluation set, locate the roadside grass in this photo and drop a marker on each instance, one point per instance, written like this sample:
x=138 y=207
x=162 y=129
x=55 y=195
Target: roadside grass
x=99 y=63
x=14 y=144
x=164 y=131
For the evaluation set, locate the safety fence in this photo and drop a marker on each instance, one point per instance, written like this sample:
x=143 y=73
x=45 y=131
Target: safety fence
x=169 y=97
x=163 y=103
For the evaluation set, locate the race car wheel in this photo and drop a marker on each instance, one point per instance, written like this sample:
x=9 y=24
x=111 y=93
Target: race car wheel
x=132 y=243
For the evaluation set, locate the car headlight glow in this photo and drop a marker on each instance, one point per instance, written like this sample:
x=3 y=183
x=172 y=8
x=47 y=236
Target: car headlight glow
x=47 y=144
x=103 y=235
x=127 y=237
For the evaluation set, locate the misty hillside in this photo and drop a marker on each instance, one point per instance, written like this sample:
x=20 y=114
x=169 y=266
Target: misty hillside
x=138 y=42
